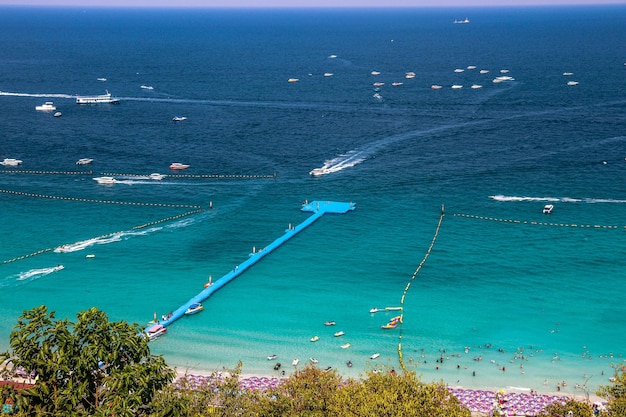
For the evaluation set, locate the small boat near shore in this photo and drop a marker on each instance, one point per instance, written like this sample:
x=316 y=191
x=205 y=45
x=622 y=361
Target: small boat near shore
x=547 y=209
x=374 y=356
x=84 y=161
x=295 y=362
x=329 y=323
x=194 y=309
x=272 y=357
x=315 y=338
x=156 y=331
x=339 y=333
x=156 y=176
x=345 y=346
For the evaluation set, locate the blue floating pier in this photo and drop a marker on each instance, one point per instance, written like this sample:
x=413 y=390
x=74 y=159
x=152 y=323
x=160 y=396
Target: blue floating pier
x=318 y=208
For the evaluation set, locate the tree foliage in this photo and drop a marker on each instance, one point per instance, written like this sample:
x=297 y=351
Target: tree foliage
x=91 y=367
x=616 y=394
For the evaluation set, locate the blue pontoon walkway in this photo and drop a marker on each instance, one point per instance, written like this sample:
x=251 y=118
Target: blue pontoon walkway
x=318 y=208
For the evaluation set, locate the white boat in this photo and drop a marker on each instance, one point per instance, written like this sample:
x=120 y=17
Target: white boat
x=58 y=114
x=459 y=70
x=484 y=71
x=328 y=74
x=313 y=360
x=345 y=346
x=146 y=87
x=47 y=106
x=475 y=86
x=316 y=172
x=461 y=22
x=378 y=84
x=396 y=84
x=10 y=162
x=471 y=67
x=547 y=209
x=375 y=72
x=156 y=176
x=293 y=80
x=105 y=180
x=436 y=87
x=457 y=86
x=410 y=75
x=101 y=99
x=194 y=309
x=504 y=71
x=339 y=333
x=179 y=118
x=567 y=74
x=503 y=78
x=377 y=96
x=295 y=362
x=374 y=356
x=84 y=161
x=178 y=165
x=332 y=56
x=315 y=338
x=101 y=79
x=156 y=331
x=272 y=357
x=572 y=83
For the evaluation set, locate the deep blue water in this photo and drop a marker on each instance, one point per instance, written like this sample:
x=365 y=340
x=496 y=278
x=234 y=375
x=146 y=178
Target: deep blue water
x=490 y=154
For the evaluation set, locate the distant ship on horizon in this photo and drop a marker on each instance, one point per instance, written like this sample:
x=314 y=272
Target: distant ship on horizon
x=460 y=22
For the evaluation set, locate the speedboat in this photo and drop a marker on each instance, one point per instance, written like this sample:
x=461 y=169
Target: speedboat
x=193 y=309
x=272 y=357
x=475 y=86
x=389 y=325
x=345 y=346
x=146 y=87
x=375 y=72
x=459 y=70
x=572 y=83
x=178 y=165
x=396 y=84
x=317 y=172
x=179 y=118
x=293 y=80
x=315 y=338
x=313 y=361
x=10 y=162
x=295 y=362
x=436 y=87
x=329 y=323
x=547 y=209
x=156 y=176
x=484 y=71
x=84 y=161
x=410 y=75
x=47 y=106
x=461 y=22
x=58 y=114
x=374 y=356
x=457 y=86
x=105 y=180
x=156 y=331
x=339 y=333
x=328 y=74
x=378 y=84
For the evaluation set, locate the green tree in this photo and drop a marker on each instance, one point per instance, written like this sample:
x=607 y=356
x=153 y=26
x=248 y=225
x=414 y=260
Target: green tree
x=91 y=367
x=615 y=394
x=390 y=394
x=577 y=408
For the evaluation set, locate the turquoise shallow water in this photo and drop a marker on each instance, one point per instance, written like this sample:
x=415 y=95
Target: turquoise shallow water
x=534 y=295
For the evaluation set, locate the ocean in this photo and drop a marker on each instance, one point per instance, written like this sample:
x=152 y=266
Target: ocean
x=509 y=296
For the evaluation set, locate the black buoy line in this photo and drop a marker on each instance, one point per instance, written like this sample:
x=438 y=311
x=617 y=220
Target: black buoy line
x=408 y=285
x=535 y=223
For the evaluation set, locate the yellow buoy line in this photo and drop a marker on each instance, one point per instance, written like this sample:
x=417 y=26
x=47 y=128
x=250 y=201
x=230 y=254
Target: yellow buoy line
x=167 y=219
x=408 y=285
x=88 y=200
x=37 y=172
x=198 y=176
x=535 y=223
